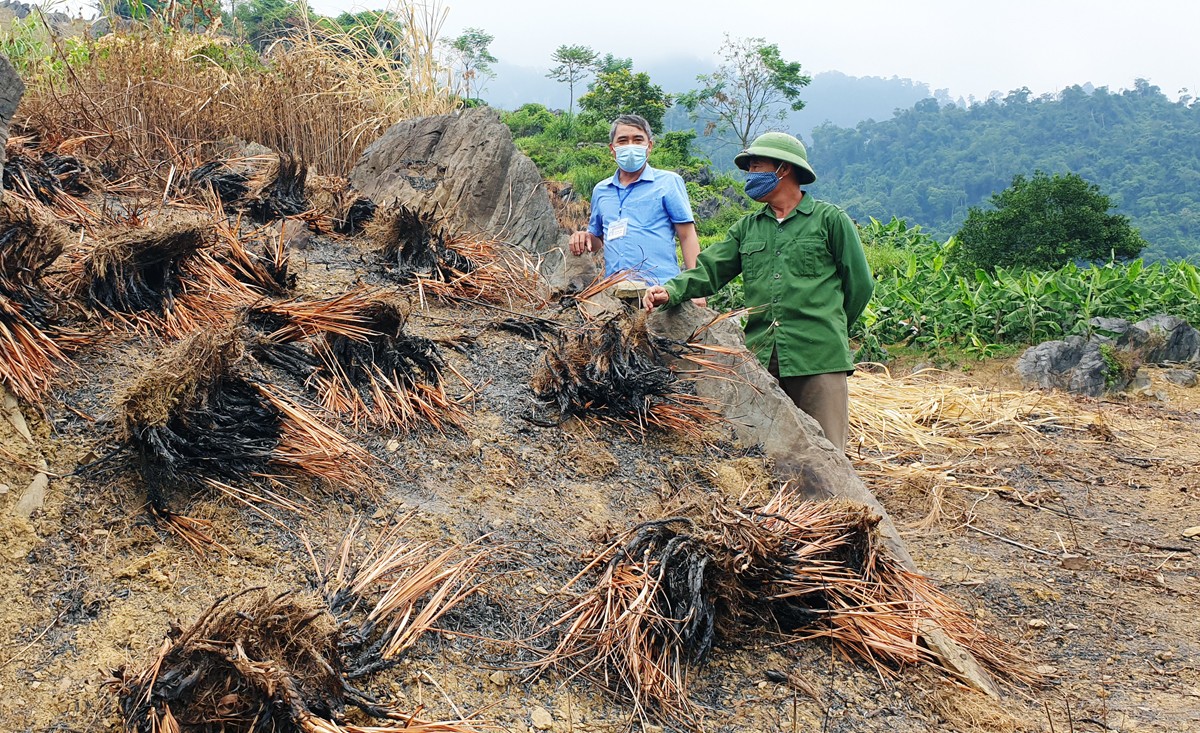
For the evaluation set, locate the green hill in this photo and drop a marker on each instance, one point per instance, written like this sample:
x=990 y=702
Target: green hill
x=930 y=163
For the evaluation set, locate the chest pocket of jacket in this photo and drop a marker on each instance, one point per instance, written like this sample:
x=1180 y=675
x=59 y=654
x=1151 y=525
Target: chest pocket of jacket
x=755 y=258
x=807 y=256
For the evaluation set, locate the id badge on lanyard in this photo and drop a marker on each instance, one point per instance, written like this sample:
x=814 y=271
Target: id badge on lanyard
x=617 y=229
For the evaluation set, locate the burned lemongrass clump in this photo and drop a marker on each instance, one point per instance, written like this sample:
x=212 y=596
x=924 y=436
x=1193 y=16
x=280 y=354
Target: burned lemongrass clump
x=29 y=244
x=413 y=245
x=351 y=212
x=143 y=269
x=614 y=370
x=29 y=357
x=817 y=569
x=230 y=185
x=249 y=663
x=649 y=617
x=281 y=193
x=197 y=417
x=267 y=267
x=44 y=175
x=660 y=593
x=290 y=662
x=418 y=250
x=192 y=416
x=387 y=376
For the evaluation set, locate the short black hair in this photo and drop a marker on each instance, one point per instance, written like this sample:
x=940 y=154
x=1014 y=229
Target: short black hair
x=633 y=121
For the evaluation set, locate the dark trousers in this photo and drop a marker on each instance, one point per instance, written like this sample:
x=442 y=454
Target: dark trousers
x=824 y=397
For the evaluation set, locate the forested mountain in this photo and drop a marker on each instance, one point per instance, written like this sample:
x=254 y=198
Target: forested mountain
x=931 y=162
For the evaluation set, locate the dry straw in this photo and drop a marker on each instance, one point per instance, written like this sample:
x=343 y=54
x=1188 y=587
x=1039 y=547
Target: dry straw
x=319 y=94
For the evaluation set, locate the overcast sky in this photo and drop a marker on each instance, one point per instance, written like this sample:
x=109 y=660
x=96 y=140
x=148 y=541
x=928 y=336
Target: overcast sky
x=968 y=47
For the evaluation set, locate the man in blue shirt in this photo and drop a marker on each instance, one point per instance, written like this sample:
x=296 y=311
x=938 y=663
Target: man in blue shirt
x=638 y=213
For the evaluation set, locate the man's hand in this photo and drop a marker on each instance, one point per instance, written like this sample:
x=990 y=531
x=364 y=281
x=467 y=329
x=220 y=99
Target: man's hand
x=585 y=241
x=702 y=302
x=655 y=296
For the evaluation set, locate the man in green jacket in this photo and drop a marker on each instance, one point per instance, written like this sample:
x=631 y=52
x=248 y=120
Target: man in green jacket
x=805 y=278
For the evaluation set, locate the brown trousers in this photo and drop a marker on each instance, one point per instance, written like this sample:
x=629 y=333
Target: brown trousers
x=824 y=397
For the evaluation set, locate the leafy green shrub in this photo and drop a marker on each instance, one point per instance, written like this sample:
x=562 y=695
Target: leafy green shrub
x=1046 y=221
x=528 y=120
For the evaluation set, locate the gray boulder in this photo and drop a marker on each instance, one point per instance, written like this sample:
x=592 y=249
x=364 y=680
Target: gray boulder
x=1182 y=377
x=464 y=170
x=11 y=89
x=1074 y=364
x=1168 y=339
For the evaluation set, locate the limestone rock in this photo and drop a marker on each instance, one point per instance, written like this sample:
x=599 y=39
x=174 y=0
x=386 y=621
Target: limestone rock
x=1182 y=377
x=1169 y=339
x=11 y=89
x=1074 y=364
x=464 y=170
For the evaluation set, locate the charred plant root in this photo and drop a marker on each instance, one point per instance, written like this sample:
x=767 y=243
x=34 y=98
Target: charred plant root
x=413 y=245
x=231 y=186
x=142 y=270
x=284 y=193
x=250 y=663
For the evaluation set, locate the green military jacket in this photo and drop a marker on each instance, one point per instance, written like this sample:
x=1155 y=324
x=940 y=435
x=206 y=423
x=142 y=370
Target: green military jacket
x=805 y=277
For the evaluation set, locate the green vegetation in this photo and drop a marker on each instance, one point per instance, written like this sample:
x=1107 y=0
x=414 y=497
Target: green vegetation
x=621 y=91
x=921 y=299
x=573 y=64
x=932 y=163
x=1046 y=221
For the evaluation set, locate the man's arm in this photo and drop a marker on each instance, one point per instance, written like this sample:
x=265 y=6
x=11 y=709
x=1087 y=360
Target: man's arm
x=689 y=243
x=592 y=238
x=857 y=282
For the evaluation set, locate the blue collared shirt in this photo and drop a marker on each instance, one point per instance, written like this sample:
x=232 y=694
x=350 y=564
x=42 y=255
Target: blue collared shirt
x=652 y=205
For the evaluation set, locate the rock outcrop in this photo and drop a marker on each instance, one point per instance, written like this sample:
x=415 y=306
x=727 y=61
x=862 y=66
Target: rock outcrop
x=1107 y=362
x=11 y=89
x=465 y=170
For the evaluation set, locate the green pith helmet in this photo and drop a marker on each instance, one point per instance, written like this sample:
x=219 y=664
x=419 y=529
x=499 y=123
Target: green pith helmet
x=778 y=146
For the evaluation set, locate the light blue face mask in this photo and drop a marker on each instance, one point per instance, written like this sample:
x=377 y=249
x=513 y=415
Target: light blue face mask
x=762 y=183
x=631 y=158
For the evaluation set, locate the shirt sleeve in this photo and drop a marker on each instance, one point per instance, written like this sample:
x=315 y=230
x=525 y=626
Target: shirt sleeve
x=715 y=267
x=596 y=221
x=676 y=202
x=857 y=282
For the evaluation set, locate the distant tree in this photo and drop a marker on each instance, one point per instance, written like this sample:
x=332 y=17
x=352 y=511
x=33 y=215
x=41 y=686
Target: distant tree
x=612 y=63
x=474 y=60
x=1046 y=222
x=379 y=31
x=752 y=88
x=575 y=63
x=621 y=91
x=265 y=20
